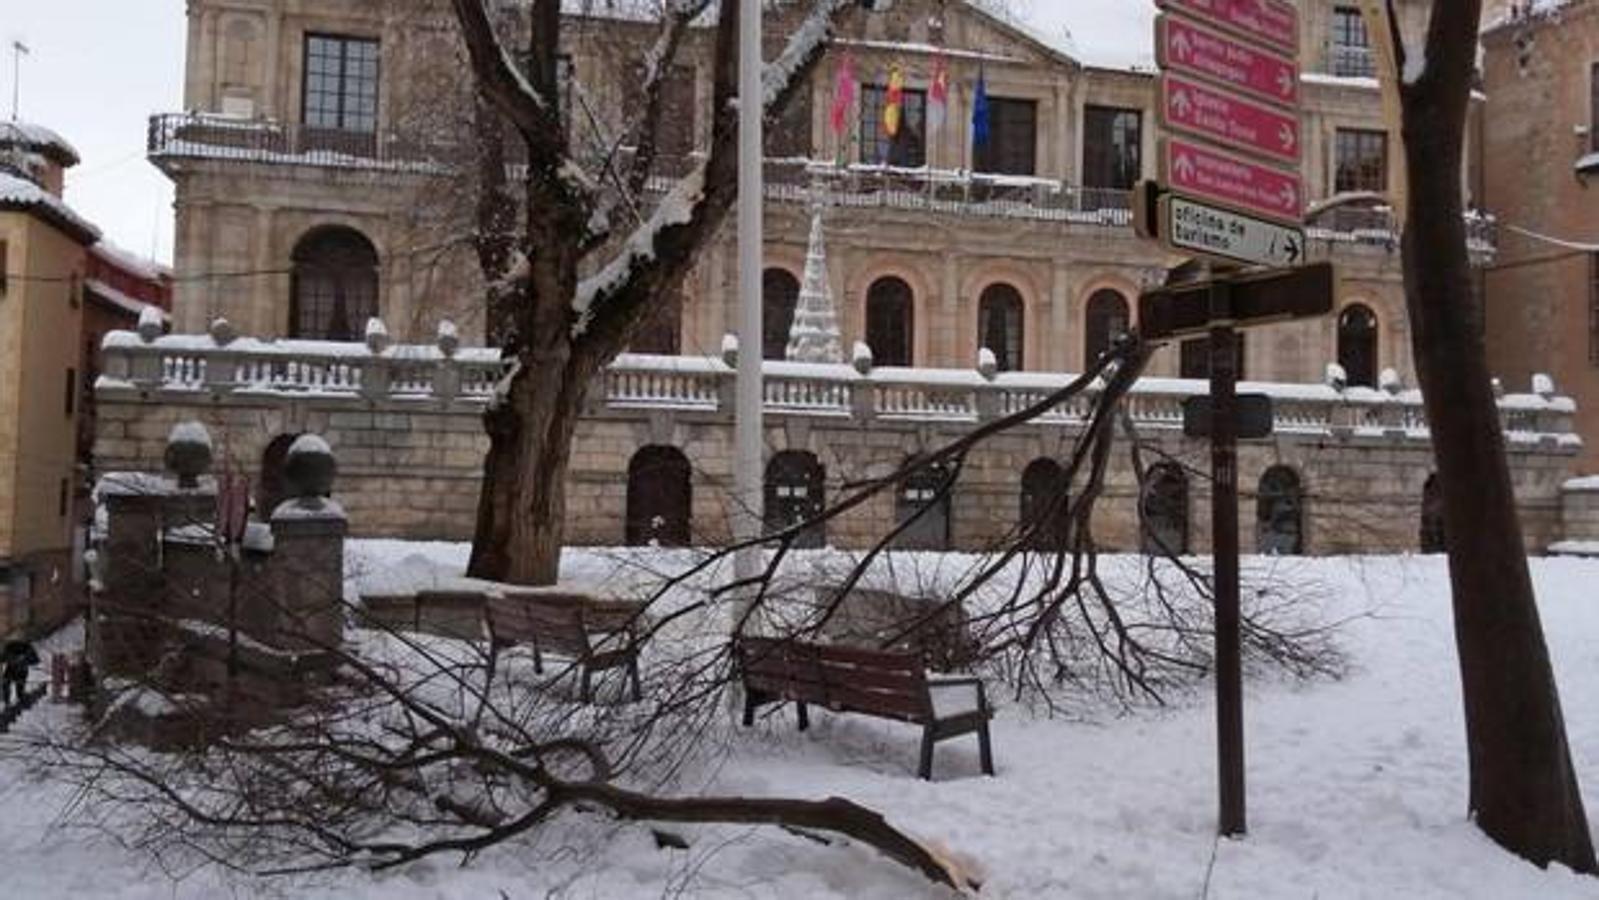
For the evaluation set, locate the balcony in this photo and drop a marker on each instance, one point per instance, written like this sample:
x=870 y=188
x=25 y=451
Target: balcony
x=796 y=181
x=205 y=136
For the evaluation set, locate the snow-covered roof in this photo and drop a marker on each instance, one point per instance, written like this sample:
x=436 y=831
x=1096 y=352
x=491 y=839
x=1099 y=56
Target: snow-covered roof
x=1103 y=34
x=1528 y=12
x=131 y=262
x=110 y=296
x=39 y=139
x=19 y=193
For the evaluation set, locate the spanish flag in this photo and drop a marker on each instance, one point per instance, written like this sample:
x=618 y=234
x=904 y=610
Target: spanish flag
x=894 y=102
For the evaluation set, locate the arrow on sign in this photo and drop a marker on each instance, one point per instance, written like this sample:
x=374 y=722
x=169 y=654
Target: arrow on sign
x=1285 y=83
x=1286 y=135
x=1184 y=166
x=1181 y=46
x=1181 y=103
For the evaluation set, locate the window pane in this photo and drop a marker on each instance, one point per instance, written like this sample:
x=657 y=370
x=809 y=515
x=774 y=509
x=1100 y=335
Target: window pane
x=908 y=148
x=1112 y=149
x=1012 y=147
x=1361 y=161
x=341 y=83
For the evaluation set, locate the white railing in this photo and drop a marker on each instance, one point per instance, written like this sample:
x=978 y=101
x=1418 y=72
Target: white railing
x=218 y=365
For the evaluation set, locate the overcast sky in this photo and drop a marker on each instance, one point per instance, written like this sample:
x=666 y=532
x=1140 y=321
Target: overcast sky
x=98 y=69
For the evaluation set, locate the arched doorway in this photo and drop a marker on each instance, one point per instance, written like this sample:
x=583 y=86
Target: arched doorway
x=1163 y=510
x=1000 y=325
x=1107 y=319
x=333 y=286
x=1280 y=513
x=796 y=492
x=1357 y=345
x=779 y=298
x=1045 y=506
x=921 y=490
x=1432 y=517
x=272 y=487
x=890 y=322
x=660 y=497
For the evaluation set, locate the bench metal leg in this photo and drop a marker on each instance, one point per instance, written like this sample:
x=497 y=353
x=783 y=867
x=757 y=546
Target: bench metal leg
x=804 y=716
x=632 y=671
x=538 y=658
x=749 y=708
x=588 y=686
x=926 y=770
x=985 y=750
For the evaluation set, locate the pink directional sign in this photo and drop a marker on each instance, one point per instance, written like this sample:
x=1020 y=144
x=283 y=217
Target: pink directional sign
x=1215 y=115
x=1193 y=169
x=1182 y=46
x=1270 y=22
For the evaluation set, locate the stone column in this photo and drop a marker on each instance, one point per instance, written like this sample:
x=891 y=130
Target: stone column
x=307 y=566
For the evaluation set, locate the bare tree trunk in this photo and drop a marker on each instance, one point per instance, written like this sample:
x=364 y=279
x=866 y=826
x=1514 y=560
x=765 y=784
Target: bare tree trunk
x=1524 y=793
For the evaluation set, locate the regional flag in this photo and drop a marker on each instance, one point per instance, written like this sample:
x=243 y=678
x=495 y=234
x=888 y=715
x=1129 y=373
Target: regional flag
x=894 y=102
x=938 y=94
x=843 y=95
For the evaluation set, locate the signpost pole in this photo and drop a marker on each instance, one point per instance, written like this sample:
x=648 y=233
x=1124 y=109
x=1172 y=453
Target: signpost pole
x=1224 y=527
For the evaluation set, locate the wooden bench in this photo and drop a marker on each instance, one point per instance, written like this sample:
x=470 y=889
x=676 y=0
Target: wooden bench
x=596 y=635
x=883 y=683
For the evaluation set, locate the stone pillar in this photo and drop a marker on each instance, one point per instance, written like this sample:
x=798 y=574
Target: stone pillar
x=307 y=565
x=125 y=640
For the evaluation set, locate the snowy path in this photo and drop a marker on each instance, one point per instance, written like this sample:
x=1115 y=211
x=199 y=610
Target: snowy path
x=1356 y=789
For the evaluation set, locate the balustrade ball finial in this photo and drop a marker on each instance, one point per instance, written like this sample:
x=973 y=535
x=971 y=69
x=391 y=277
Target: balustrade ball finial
x=861 y=358
x=377 y=336
x=730 y=350
x=188 y=453
x=449 y=338
x=310 y=469
x=987 y=363
x=151 y=325
x=222 y=332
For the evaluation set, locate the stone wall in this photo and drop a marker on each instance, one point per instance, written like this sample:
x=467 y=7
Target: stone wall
x=411 y=462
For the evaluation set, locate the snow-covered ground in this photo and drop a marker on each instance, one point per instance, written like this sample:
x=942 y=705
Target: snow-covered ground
x=1356 y=788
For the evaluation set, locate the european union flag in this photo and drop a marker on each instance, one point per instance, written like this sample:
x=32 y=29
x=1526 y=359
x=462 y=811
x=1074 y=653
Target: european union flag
x=980 y=111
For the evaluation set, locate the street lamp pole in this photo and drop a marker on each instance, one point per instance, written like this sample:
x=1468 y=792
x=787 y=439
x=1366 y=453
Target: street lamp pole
x=747 y=442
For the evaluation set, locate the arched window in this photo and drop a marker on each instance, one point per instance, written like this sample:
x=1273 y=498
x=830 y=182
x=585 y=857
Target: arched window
x=1107 y=320
x=779 y=296
x=1163 y=510
x=1432 y=517
x=272 y=488
x=334 y=286
x=1280 y=513
x=795 y=492
x=1357 y=344
x=921 y=491
x=660 y=497
x=1045 y=505
x=889 y=322
x=661 y=329
x=999 y=325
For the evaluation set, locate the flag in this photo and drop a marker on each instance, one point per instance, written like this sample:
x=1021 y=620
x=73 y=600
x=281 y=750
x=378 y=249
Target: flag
x=980 y=111
x=894 y=102
x=843 y=95
x=938 y=94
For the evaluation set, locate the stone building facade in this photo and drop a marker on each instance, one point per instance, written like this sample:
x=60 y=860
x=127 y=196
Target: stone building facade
x=1541 y=75
x=278 y=174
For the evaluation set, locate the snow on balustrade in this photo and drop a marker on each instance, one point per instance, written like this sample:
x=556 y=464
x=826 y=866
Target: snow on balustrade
x=408 y=373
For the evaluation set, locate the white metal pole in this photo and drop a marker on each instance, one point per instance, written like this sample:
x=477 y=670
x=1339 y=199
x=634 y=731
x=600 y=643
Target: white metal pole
x=747 y=407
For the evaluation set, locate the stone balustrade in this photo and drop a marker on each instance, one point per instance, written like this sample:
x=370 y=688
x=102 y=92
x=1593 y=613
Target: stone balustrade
x=380 y=375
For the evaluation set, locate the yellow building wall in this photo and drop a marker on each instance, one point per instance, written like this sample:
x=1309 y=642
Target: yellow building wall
x=40 y=323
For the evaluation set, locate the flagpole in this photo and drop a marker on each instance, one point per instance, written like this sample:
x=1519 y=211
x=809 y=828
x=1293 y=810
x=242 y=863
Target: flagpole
x=18 y=50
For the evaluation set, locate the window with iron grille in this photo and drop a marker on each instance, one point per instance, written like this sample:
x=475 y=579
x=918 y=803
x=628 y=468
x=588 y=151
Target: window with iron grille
x=889 y=322
x=1108 y=319
x=908 y=148
x=999 y=325
x=341 y=83
x=1112 y=147
x=1351 y=44
x=1361 y=163
x=1012 y=146
x=1593 y=113
x=1593 y=309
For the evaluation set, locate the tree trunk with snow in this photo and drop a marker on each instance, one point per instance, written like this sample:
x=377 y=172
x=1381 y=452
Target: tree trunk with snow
x=560 y=330
x=1524 y=792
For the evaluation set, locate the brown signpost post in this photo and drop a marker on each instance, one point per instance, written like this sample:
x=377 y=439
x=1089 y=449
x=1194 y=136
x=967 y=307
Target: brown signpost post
x=1229 y=191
